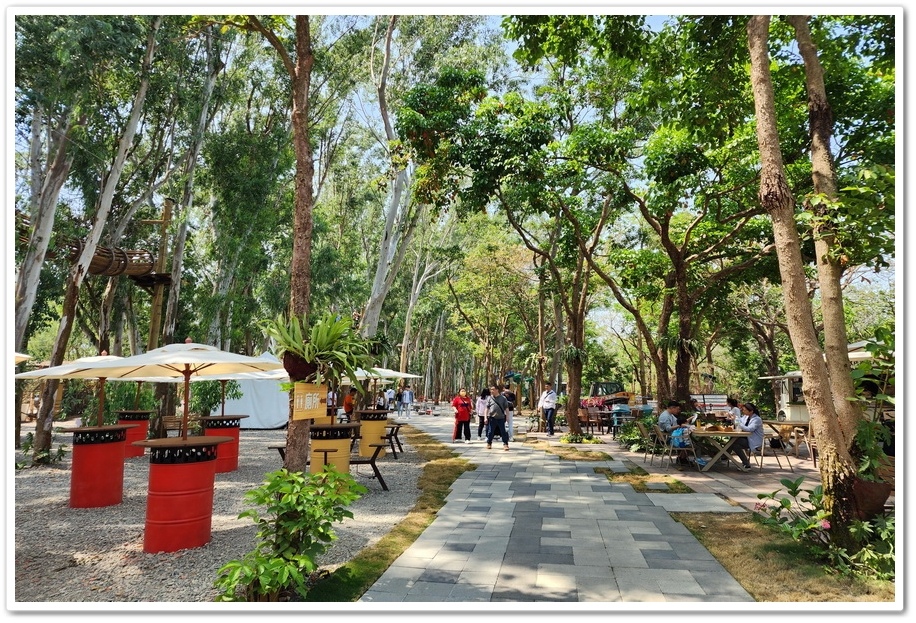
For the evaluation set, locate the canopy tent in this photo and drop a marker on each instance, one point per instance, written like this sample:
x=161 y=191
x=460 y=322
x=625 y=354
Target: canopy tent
x=263 y=399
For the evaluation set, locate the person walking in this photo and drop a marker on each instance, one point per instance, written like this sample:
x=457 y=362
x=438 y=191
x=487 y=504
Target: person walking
x=481 y=410
x=406 y=401
x=497 y=408
x=389 y=396
x=462 y=406
x=548 y=406
x=511 y=399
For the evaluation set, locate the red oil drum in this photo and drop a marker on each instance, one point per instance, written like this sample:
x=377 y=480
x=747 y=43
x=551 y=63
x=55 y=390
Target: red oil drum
x=179 y=505
x=97 y=472
x=227 y=454
x=140 y=430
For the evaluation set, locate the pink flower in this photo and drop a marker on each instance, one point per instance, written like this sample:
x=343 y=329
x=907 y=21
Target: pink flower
x=825 y=524
x=760 y=506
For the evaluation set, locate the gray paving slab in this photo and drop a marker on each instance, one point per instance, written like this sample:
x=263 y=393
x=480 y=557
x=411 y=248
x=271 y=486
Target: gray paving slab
x=527 y=527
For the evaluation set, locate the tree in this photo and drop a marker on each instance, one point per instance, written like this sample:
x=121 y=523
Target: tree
x=828 y=383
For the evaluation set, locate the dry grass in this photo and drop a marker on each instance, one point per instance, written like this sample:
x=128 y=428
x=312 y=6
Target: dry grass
x=772 y=567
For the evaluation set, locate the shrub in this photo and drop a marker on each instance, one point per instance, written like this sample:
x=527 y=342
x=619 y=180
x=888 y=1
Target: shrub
x=802 y=516
x=295 y=528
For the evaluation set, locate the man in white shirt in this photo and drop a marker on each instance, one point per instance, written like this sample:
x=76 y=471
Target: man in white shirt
x=389 y=395
x=548 y=406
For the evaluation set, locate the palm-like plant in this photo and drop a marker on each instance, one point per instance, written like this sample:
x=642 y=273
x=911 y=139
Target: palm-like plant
x=327 y=350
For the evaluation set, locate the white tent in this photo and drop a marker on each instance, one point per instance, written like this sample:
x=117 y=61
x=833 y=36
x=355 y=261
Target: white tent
x=263 y=400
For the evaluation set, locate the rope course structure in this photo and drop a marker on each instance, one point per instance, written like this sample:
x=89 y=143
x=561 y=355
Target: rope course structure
x=138 y=264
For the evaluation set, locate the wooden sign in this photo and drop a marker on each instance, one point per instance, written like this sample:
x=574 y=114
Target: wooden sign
x=309 y=401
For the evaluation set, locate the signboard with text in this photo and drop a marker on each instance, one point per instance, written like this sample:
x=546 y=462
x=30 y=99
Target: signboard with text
x=309 y=401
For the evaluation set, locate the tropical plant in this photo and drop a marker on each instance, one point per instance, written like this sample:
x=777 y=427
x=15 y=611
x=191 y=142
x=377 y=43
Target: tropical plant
x=874 y=382
x=802 y=516
x=329 y=349
x=295 y=528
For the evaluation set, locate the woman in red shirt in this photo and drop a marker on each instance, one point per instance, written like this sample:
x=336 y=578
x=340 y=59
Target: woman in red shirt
x=462 y=406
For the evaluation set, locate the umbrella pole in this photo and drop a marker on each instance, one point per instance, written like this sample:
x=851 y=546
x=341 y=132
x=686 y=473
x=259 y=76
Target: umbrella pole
x=187 y=397
x=101 y=415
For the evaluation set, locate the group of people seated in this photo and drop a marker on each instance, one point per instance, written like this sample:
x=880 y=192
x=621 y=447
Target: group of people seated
x=742 y=417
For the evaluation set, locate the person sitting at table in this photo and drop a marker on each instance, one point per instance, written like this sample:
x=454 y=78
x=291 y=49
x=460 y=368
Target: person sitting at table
x=680 y=438
x=667 y=419
x=734 y=410
x=750 y=422
x=697 y=411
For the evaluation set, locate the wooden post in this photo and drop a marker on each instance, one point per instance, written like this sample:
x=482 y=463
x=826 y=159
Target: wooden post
x=155 y=318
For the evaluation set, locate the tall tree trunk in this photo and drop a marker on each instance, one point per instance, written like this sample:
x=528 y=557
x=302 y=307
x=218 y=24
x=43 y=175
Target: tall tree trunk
x=837 y=465
x=399 y=223
x=44 y=204
x=42 y=444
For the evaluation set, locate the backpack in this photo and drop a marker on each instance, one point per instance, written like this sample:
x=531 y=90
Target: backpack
x=680 y=438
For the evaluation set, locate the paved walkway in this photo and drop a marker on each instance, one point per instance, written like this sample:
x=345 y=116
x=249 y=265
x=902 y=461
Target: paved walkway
x=526 y=526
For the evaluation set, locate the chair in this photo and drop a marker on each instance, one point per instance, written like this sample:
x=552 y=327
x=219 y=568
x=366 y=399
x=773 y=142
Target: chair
x=594 y=418
x=649 y=440
x=673 y=450
x=760 y=452
x=585 y=422
x=801 y=436
x=661 y=440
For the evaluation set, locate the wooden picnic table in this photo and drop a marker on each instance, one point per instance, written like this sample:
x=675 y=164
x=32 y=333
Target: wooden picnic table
x=713 y=439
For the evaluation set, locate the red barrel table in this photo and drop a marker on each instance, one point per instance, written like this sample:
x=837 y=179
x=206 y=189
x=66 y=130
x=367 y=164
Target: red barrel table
x=97 y=472
x=227 y=454
x=139 y=422
x=179 y=503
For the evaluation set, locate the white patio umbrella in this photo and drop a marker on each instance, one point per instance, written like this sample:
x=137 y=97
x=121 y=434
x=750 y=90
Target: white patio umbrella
x=385 y=373
x=20 y=357
x=183 y=361
x=75 y=369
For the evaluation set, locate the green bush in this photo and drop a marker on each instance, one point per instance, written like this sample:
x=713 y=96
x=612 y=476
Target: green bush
x=295 y=528
x=802 y=516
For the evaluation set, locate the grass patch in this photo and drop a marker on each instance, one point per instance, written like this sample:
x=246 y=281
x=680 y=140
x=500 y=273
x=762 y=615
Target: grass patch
x=570 y=453
x=639 y=479
x=771 y=566
x=349 y=581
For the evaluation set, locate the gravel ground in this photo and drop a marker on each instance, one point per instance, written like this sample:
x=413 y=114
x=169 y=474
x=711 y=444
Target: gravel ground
x=68 y=554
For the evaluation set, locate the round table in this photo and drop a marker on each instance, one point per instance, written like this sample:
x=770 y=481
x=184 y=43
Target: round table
x=138 y=420
x=227 y=454
x=179 y=503
x=330 y=444
x=373 y=423
x=97 y=466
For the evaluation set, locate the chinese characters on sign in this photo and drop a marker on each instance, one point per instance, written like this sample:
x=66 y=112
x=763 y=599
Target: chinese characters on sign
x=309 y=401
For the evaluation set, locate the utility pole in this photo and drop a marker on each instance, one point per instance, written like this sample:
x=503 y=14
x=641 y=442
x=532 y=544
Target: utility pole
x=155 y=316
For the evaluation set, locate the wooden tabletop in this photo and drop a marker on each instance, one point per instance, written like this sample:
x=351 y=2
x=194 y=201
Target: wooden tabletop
x=179 y=442
x=721 y=433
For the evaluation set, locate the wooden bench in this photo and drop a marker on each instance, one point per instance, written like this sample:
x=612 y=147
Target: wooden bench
x=354 y=460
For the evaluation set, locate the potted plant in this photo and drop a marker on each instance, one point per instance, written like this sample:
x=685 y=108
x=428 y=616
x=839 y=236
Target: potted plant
x=327 y=350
